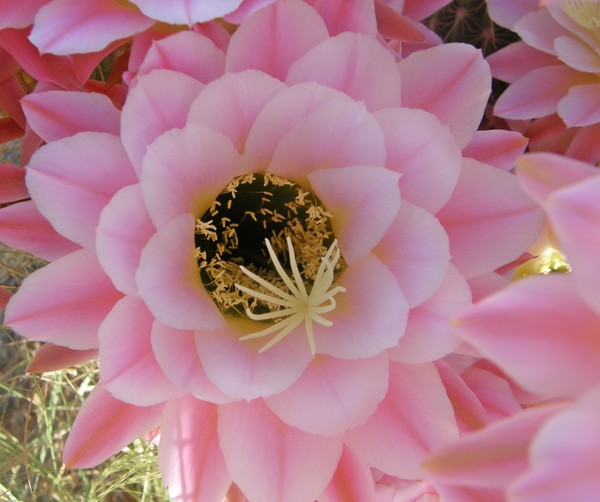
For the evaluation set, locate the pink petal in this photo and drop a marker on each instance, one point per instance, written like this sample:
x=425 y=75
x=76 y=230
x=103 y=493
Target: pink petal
x=424 y=152
x=363 y=201
x=392 y=25
x=176 y=352
x=237 y=368
x=50 y=357
x=186 y=52
x=58 y=114
x=539 y=30
x=245 y=9
x=150 y=111
x=24 y=227
x=313 y=126
x=574 y=214
x=370 y=315
x=564 y=456
x=104 y=425
x=351 y=482
x=186 y=11
x=498 y=148
x=122 y=232
x=13 y=183
x=491 y=457
x=19 y=15
x=271 y=461
x=429 y=334
x=556 y=332
x=71 y=180
x=185 y=170
x=64 y=302
x=416 y=249
x=169 y=282
x=577 y=55
x=452 y=81
x=584 y=146
x=420 y=9
x=449 y=493
x=355 y=64
x=4 y=297
x=517 y=59
x=274 y=37
x=507 y=12
x=129 y=370
x=190 y=460
x=490 y=222
x=581 y=105
x=541 y=174
x=538 y=93
x=340 y=16
x=415 y=417
x=69 y=26
x=230 y=105
x=333 y=395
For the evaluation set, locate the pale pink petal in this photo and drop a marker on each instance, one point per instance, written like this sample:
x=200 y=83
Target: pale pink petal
x=416 y=249
x=517 y=59
x=585 y=145
x=69 y=26
x=104 y=425
x=351 y=482
x=19 y=15
x=539 y=30
x=176 y=352
x=13 y=183
x=363 y=201
x=245 y=9
x=498 y=148
x=64 y=302
x=564 y=456
x=122 y=232
x=429 y=334
x=424 y=152
x=339 y=16
x=171 y=287
x=150 y=111
x=273 y=38
x=556 y=332
x=272 y=461
x=541 y=174
x=333 y=395
x=415 y=417
x=538 y=93
x=186 y=11
x=314 y=116
x=185 y=170
x=240 y=371
x=58 y=114
x=128 y=368
x=574 y=214
x=452 y=81
x=186 y=52
x=71 y=180
x=24 y=227
x=420 y=9
x=230 y=105
x=355 y=64
x=449 y=493
x=490 y=222
x=189 y=457
x=491 y=457
x=581 y=105
x=507 y=12
x=50 y=357
x=577 y=55
x=394 y=26
x=370 y=315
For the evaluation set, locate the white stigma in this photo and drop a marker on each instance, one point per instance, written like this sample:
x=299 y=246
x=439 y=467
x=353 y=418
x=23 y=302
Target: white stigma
x=298 y=304
x=585 y=13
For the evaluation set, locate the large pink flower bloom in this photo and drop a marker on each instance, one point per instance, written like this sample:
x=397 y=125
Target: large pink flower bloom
x=544 y=332
x=299 y=178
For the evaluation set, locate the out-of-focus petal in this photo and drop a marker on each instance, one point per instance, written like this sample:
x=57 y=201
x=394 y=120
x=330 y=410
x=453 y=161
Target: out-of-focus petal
x=19 y=15
x=507 y=12
x=50 y=357
x=189 y=457
x=265 y=456
x=581 y=105
x=496 y=147
x=64 y=302
x=104 y=425
x=339 y=16
x=186 y=11
x=13 y=183
x=351 y=482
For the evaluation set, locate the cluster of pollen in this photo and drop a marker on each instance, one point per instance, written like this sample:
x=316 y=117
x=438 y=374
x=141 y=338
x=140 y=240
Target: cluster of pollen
x=550 y=261
x=247 y=279
x=585 y=13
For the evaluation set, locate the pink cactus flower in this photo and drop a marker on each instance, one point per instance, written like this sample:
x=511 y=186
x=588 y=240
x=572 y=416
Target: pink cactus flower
x=268 y=244
x=554 y=321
